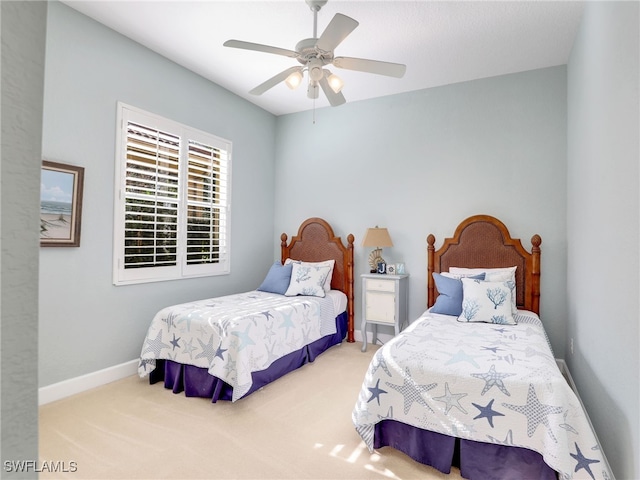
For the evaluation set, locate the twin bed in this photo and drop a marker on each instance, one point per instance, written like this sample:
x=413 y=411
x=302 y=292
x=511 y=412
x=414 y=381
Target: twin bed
x=227 y=347
x=473 y=382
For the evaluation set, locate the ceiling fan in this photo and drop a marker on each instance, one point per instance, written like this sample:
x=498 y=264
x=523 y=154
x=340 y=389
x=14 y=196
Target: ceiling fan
x=314 y=54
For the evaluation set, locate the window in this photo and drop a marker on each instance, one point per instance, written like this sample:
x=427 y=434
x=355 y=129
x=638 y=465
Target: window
x=172 y=200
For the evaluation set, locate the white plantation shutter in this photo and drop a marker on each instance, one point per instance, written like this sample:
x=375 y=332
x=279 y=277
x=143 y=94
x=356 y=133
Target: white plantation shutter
x=151 y=197
x=172 y=200
x=207 y=197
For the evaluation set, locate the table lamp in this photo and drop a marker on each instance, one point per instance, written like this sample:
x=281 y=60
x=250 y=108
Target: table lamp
x=378 y=238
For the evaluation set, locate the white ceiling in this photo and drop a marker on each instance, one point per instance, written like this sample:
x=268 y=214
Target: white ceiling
x=440 y=42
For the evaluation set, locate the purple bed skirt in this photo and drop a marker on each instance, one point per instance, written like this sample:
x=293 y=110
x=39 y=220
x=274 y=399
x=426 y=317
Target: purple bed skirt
x=476 y=460
x=196 y=381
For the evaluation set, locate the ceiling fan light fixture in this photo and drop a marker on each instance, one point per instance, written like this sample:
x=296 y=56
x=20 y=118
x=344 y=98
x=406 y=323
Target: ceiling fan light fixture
x=294 y=80
x=335 y=82
x=315 y=70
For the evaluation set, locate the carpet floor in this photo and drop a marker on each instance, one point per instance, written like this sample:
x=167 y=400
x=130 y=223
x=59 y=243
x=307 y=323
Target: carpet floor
x=298 y=427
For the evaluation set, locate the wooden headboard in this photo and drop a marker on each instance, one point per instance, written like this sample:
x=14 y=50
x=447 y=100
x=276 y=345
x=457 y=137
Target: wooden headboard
x=483 y=241
x=316 y=242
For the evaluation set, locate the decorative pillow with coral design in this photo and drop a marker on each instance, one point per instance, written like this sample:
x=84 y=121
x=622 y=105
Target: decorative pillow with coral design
x=507 y=274
x=488 y=302
x=307 y=280
x=326 y=263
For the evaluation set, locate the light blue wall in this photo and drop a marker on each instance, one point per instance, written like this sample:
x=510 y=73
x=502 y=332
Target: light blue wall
x=86 y=323
x=603 y=226
x=421 y=162
x=23 y=58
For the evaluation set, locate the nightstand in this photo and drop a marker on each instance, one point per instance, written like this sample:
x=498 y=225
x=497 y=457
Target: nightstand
x=384 y=302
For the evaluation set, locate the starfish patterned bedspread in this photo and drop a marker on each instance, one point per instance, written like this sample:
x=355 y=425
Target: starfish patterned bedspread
x=484 y=382
x=235 y=335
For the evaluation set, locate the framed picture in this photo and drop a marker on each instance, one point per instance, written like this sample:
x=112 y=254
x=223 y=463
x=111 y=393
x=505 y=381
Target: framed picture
x=60 y=204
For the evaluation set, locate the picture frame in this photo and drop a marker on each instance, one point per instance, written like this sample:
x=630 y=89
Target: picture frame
x=61 y=190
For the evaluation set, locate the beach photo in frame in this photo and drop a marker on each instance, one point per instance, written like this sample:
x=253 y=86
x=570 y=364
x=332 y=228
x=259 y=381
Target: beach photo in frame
x=61 y=188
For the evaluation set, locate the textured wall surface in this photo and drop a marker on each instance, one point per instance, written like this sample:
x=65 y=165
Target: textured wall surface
x=23 y=48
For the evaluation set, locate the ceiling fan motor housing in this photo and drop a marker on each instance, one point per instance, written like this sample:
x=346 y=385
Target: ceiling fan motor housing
x=307 y=51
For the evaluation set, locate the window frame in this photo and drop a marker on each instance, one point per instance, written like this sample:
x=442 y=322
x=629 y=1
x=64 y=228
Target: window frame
x=125 y=276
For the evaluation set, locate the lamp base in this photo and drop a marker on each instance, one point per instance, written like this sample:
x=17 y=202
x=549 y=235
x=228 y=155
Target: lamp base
x=375 y=257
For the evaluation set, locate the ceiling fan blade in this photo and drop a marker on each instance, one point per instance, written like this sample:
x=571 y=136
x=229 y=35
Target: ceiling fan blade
x=334 y=98
x=260 y=48
x=273 y=81
x=339 y=27
x=370 y=66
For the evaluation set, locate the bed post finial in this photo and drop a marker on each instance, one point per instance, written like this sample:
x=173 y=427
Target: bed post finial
x=431 y=294
x=283 y=248
x=536 y=241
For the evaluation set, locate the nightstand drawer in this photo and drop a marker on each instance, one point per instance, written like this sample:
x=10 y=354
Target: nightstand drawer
x=380 y=285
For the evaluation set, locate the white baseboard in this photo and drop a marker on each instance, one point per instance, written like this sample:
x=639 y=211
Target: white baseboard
x=66 y=388
x=562 y=365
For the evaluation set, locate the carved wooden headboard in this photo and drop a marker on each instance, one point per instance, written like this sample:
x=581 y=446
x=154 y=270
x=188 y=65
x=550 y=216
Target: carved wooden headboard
x=483 y=241
x=316 y=242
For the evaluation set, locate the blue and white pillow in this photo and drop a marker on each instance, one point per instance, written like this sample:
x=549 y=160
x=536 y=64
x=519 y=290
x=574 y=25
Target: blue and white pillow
x=326 y=263
x=307 y=280
x=506 y=274
x=509 y=279
x=488 y=302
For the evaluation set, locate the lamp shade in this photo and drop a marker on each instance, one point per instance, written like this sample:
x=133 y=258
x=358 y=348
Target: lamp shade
x=377 y=237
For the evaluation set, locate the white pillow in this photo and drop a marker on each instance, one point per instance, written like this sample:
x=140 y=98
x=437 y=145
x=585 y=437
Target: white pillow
x=488 y=271
x=307 y=280
x=488 y=302
x=507 y=274
x=459 y=276
x=329 y=263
